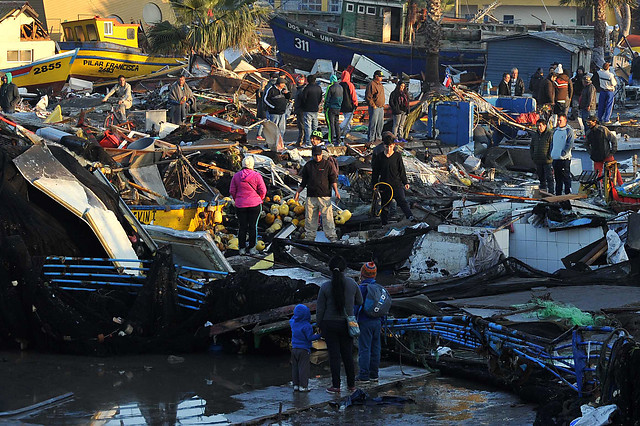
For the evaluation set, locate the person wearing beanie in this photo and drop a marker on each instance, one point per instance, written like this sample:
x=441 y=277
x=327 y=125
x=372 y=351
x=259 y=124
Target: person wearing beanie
x=369 y=340
x=332 y=105
x=388 y=167
x=248 y=190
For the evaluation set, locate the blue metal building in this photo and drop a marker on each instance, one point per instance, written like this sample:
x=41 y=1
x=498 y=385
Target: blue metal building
x=531 y=51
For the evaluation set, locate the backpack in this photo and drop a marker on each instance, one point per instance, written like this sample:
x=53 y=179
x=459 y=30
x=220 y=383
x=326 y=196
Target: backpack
x=378 y=301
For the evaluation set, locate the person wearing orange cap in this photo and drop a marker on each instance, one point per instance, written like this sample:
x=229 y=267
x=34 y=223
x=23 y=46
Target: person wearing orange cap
x=369 y=339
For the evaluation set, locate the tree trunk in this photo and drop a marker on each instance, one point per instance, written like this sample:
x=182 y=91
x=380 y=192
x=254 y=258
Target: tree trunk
x=623 y=17
x=599 y=32
x=433 y=36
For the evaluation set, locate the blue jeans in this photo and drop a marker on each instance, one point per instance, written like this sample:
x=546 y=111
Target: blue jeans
x=310 y=125
x=545 y=175
x=345 y=126
x=280 y=120
x=562 y=172
x=376 y=121
x=369 y=349
x=605 y=105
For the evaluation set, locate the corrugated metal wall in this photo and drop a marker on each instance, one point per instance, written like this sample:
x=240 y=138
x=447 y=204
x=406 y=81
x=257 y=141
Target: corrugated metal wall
x=526 y=54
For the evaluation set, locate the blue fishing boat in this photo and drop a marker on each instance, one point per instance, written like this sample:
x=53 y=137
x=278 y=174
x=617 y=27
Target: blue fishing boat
x=300 y=46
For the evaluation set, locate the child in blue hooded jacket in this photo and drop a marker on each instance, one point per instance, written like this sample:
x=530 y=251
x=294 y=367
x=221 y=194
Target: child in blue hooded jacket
x=301 y=338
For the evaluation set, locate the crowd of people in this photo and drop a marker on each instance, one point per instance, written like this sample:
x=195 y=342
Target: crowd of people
x=340 y=301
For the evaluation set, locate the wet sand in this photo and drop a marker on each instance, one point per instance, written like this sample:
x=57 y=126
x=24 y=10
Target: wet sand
x=199 y=389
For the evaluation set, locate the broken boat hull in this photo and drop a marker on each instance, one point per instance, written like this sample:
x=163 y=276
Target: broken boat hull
x=302 y=45
x=181 y=217
x=48 y=73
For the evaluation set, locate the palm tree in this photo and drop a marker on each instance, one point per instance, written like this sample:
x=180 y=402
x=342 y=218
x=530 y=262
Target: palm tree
x=208 y=27
x=600 y=22
x=433 y=32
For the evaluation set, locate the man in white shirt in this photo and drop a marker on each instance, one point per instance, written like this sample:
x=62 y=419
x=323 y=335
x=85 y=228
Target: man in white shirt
x=607 y=90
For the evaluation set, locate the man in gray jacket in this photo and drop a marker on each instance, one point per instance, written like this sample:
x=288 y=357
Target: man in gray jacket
x=180 y=96
x=561 y=146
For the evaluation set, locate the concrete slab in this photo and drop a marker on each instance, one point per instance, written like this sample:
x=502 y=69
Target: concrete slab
x=587 y=298
x=265 y=403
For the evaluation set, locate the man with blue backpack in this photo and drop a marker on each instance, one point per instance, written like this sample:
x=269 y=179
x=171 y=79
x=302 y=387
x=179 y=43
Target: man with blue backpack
x=377 y=303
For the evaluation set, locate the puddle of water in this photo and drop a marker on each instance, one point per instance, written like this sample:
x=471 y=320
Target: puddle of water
x=199 y=388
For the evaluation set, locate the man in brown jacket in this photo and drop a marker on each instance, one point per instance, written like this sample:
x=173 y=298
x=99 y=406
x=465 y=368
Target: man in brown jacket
x=374 y=96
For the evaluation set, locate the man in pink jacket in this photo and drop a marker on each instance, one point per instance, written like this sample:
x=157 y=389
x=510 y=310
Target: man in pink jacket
x=248 y=190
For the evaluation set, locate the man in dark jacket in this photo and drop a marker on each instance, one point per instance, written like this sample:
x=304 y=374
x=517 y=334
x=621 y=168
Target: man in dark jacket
x=276 y=100
x=301 y=83
x=374 y=95
x=516 y=85
x=9 y=95
x=310 y=104
x=588 y=98
x=349 y=102
x=332 y=104
x=541 y=155
x=319 y=177
x=601 y=144
x=578 y=85
x=547 y=93
x=388 y=167
x=503 y=87
x=535 y=82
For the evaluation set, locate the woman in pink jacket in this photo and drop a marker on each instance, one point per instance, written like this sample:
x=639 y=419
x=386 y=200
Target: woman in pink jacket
x=248 y=190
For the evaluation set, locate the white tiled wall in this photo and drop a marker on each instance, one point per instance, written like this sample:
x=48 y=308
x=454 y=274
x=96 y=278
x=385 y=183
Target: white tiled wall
x=544 y=250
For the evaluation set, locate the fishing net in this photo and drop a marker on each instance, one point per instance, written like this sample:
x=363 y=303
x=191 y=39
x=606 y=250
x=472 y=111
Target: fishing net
x=549 y=309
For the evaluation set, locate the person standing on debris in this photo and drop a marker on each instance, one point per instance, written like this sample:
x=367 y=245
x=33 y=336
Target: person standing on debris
x=248 y=190
x=276 y=99
x=301 y=82
x=180 y=97
x=9 y=94
x=535 y=82
x=310 y=103
x=122 y=92
x=317 y=140
x=319 y=176
x=301 y=339
x=374 y=95
x=336 y=300
x=541 y=155
x=349 y=103
x=563 y=91
x=601 y=144
x=516 y=85
x=399 y=104
x=587 y=101
x=388 y=167
x=503 y=87
x=578 y=85
x=561 y=146
x=369 y=340
x=615 y=35
x=607 y=90
x=332 y=106
x=261 y=111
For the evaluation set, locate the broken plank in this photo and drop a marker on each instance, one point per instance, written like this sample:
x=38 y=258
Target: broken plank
x=566 y=197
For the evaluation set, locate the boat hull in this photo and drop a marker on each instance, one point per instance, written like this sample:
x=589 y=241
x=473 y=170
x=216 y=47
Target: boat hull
x=181 y=217
x=301 y=45
x=47 y=74
x=96 y=64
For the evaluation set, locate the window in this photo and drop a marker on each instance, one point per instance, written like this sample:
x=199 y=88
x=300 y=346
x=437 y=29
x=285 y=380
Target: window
x=151 y=14
x=19 y=55
x=371 y=10
x=68 y=34
x=314 y=5
x=92 y=33
x=131 y=33
x=508 y=19
x=350 y=7
x=108 y=28
x=335 y=6
x=360 y=9
x=79 y=33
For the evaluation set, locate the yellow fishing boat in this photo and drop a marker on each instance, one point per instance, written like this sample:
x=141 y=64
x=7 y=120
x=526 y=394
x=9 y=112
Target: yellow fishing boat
x=107 y=48
x=181 y=217
x=47 y=73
